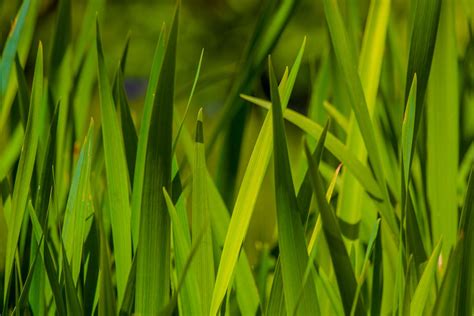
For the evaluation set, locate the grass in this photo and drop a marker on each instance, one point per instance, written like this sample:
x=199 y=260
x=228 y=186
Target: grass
x=373 y=191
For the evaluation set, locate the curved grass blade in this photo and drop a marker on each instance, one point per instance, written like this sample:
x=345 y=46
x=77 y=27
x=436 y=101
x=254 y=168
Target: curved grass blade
x=247 y=196
x=334 y=145
x=340 y=258
x=153 y=264
x=116 y=173
x=25 y=170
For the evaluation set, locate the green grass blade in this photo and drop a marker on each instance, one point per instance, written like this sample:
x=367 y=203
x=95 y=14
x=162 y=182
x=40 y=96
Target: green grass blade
x=204 y=263
x=189 y=295
x=143 y=137
x=466 y=286
x=11 y=151
x=427 y=280
x=291 y=240
x=443 y=131
x=346 y=59
x=25 y=170
x=153 y=257
x=117 y=177
x=340 y=258
x=78 y=207
x=23 y=93
x=73 y=301
x=247 y=197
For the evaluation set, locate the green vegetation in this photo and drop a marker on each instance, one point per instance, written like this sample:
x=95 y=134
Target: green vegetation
x=359 y=201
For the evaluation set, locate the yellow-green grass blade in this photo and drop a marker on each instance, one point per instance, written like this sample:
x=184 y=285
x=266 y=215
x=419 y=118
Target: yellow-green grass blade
x=425 y=286
x=78 y=208
x=333 y=144
x=347 y=62
x=342 y=266
x=139 y=170
x=116 y=175
x=204 y=263
x=350 y=201
x=24 y=172
x=153 y=251
x=291 y=239
x=337 y=116
x=443 y=131
x=466 y=286
x=189 y=295
x=247 y=196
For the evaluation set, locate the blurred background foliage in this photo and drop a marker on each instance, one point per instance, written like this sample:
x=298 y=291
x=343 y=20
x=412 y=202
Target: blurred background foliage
x=223 y=29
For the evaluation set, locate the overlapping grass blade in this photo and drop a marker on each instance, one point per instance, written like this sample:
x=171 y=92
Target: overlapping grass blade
x=153 y=256
x=25 y=171
x=117 y=177
x=247 y=196
x=143 y=137
x=427 y=281
x=291 y=240
x=78 y=208
x=23 y=93
x=345 y=55
x=340 y=258
x=333 y=144
x=73 y=301
x=11 y=151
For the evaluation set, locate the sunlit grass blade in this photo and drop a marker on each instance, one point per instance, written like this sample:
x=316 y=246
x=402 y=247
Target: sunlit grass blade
x=11 y=151
x=291 y=240
x=153 y=254
x=25 y=171
x=139 y=170
x=443 y=130
x=333 y=144
x=189 y=295
x=345 y=55
x=247 y=196
x=78 y=208
x=340 y=258
x=204 y=264
x=427 y=281
x=117 y=177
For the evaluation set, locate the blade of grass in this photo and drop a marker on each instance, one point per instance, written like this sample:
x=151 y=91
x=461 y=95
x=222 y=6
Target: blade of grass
x=247 y=196
x=153 y=264
x=11 y=151
x=25 y=171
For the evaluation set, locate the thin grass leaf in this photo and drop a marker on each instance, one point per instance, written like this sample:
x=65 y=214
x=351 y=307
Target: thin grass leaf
x=138 y=177
x=73 y=301
x=79 y=206
x=11 y=151
x=129 y=296
x=424 y=287
x=23 y=93
x=340 y=258
x=153 y=264
x=247 y=196
x=117 y=177
x=291 y=240
x=25 y=171
x=345 y=55
x=338 y=117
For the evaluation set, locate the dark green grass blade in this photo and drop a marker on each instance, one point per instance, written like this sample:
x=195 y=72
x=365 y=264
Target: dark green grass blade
x=61 y=39
x=117 y=177
x=291 y=240
x=340 y=258
x=139 y=170
x=25 y=171
x=23 y=93
x=129 y=297
x=153 y=261
x=466 y=286
x=73 y=302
